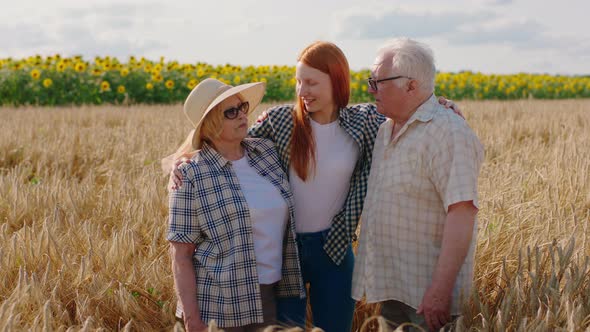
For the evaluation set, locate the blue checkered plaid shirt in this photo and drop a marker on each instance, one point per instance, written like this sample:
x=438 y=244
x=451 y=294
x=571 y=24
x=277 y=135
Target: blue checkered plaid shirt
x=210 y=211
x=362 y=123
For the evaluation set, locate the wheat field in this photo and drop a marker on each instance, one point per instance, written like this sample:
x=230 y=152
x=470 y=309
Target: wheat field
x=83 y=211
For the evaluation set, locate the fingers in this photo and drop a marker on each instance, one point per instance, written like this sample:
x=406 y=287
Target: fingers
x=430 y=321
x=177 y=178
x=436 y=319
x=262 y=117
x=447 y=103
x=458 y=112
x=175 y=181
x=455 y=108
x=450 y=104
x=444 y=101
x=440 y=320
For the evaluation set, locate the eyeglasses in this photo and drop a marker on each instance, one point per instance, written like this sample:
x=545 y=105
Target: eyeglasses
x=232 y=113
x=373 y=83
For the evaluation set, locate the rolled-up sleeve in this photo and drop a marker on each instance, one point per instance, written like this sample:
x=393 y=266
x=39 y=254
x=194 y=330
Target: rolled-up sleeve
x=456 y=164
x=183 y=221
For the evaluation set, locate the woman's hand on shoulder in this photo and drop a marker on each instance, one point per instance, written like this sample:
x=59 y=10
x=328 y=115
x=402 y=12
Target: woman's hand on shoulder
x=262 y=117
x=447 y=103
x=175 y=180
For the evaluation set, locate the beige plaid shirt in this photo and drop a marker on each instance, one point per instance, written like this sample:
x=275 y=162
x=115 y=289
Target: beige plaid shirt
x=210 y=210
x=434 y=162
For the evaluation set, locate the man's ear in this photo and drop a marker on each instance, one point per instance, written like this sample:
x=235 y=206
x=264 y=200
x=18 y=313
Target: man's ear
x=412 y=86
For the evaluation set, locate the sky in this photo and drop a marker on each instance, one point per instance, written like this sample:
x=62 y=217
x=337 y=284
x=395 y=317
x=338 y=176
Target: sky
x=489 y=36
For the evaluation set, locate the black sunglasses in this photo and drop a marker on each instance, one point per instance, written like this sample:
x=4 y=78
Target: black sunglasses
x=232 y=113
x=373 y=83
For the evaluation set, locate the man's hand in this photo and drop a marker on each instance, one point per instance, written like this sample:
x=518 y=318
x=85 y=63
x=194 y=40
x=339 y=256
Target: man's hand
x=436 y=307
x=450 y=104
x=195 y=325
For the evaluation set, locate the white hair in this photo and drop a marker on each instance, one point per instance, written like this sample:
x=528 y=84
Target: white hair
x=411 y=58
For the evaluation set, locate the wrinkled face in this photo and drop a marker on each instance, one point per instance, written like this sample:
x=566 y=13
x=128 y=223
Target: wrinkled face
x=233 y=129
x=314 y=87
x=389 y=96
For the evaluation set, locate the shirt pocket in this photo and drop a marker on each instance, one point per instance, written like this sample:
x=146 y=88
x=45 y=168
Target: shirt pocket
x=404 y=172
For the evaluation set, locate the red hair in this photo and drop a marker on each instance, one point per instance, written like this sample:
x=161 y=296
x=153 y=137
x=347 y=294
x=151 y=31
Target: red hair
x=329 y=59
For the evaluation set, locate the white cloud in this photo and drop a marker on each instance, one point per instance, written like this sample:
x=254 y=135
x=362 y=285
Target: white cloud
x=495 y=2
x=92 y=31
x=524 y=33
x=24 y=35
x=403 y=22
x=485 y=35
x=471 y=28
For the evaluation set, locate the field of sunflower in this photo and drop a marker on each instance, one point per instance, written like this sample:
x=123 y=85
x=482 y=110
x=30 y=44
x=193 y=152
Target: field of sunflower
x=57 y=80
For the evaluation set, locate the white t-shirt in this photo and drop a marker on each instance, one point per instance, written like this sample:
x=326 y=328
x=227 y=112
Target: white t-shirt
x=322 y=195
x=269 y=214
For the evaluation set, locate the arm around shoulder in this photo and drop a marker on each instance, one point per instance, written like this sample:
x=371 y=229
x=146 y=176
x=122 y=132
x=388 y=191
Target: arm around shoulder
x=275 y=117
x=184 y=152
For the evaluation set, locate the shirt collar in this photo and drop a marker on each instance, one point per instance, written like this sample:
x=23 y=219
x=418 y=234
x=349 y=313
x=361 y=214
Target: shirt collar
x=424 y=113
x=211 y=155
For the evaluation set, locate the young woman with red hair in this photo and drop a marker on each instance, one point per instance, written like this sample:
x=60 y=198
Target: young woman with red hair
x=325 y=147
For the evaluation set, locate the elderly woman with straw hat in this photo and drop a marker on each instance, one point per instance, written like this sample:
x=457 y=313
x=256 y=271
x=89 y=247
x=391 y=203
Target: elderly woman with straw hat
x=231 y=228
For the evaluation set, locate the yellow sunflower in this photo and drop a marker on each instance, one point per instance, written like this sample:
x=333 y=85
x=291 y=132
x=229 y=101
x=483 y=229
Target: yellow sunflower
x=169 y=84
x=35 y=74
x=61 y=66
x=121 y=89
x=124 y=72
x=157 y=77
x=47 y=82
x=149 y=86
x=80 y=67
x=191 y=84
x=105 y=86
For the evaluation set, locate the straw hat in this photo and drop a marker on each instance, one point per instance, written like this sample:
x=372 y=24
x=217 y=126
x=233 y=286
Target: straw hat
x=209 y=93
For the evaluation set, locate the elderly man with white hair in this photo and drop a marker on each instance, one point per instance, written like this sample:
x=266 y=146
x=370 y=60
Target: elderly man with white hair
x=419 y=223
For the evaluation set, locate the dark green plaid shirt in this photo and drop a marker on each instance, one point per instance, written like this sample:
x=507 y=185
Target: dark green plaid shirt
x=361 y=122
